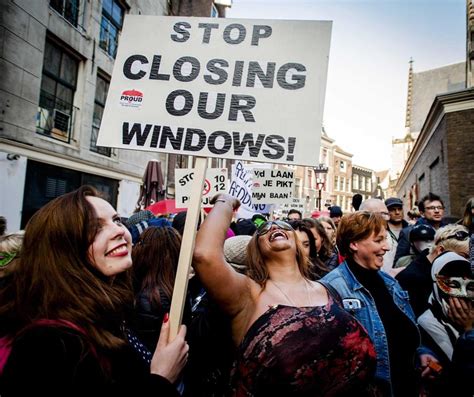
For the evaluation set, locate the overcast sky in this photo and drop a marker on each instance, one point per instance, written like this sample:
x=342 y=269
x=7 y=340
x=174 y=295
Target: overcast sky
x=371 y=45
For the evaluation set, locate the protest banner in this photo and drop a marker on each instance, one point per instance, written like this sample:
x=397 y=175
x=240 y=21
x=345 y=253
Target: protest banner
x=241 y=187
x=238 y=89
x=214 y=183
x=295 y=204
x=227 y=88
x=272 y=186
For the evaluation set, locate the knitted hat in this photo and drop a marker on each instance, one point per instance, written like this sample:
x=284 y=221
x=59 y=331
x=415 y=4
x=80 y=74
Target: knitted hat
x=137 y=229
x=138 y=217
x=235 y=252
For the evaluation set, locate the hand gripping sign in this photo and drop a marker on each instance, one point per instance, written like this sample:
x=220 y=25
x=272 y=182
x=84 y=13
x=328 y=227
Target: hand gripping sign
x=236 y=89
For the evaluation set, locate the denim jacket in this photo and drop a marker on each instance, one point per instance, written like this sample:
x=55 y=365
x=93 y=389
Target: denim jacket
x=349 y=288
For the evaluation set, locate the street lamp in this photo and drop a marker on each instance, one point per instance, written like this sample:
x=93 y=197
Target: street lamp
x=320 y=181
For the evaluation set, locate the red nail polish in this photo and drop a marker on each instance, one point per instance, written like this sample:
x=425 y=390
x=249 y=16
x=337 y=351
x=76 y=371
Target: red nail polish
x=166 y=318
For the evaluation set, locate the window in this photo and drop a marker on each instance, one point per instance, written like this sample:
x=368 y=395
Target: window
x=348 y=185
x=110 y=26
x=101 y=89
x=310 y=178
x=342 y=181
x=355 y=181
x=58 y=85
x=342 y=166
x=368 y=186
x=69 y=9
x=336 y=182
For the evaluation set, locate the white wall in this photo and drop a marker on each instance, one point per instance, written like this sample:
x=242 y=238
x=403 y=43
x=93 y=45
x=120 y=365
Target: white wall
x=127 y=197
x=12 y=175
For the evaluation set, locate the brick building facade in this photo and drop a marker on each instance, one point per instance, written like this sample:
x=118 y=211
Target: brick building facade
x=441 y=160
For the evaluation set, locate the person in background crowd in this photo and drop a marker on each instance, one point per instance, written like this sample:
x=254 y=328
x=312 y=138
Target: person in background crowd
x=323 y=245
x=356 y=201
x=416 y=277
x=65 y=308
x=137 y=217
x=432 y=211
x=293 y=338
x=138 y=228
x=394 y=226
x=468 y=216
x=235 y=252
x=3 y=225
x=258 y=220
x=155 y=260
x=378 y=302
x=294 y=215
x=330 y=229
x=377 y=206
x=447 y=325
x=10 y=248
x=421 y=240
x=306 y=237
x=243 y=227
x=413 y=215
x=335 y=213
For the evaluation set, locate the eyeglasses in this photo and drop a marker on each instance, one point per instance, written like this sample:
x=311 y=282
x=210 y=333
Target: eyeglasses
x=461 y=235
x=265 y=228
x=435 y=208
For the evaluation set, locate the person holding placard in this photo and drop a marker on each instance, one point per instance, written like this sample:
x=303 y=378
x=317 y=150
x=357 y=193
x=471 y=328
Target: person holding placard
x=293 y=336
x=63 y=313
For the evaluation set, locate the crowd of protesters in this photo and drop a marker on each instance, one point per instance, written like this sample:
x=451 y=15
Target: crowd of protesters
x=374 y=302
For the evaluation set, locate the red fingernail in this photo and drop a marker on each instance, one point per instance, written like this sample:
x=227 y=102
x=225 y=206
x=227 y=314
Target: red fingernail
x=166 y=318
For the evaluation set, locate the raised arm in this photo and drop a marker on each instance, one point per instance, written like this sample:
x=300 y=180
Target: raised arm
x=230 y=289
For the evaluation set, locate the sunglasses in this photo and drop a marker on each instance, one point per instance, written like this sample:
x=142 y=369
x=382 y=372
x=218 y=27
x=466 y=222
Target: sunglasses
x=265 y=228
x=460 y=236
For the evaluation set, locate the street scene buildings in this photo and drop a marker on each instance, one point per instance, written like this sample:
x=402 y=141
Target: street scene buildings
x=57 y=58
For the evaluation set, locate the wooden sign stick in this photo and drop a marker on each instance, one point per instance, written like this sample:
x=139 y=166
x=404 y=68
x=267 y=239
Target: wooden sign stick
x=187 y=247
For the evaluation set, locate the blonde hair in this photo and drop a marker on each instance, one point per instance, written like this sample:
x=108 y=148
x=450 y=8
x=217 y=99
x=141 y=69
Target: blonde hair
x=450 y=244
x=12 y=242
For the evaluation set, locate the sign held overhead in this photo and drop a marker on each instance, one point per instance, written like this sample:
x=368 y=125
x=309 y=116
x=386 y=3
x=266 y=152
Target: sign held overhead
x=239 y=89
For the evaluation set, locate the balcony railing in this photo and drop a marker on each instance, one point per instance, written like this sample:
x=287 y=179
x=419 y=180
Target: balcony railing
x=55 y=118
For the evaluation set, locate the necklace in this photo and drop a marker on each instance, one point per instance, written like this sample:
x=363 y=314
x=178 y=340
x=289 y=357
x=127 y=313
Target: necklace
x=308 y=297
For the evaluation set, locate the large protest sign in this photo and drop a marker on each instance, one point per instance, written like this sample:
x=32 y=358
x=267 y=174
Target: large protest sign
x=238 y=89
x=215 y=182
x=272 y=186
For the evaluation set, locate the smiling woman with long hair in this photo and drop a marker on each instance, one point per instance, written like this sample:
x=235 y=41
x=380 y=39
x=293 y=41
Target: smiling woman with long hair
x=293 y=336
x=63 y=312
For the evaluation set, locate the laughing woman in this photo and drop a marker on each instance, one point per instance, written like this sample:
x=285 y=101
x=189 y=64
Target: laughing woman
x=378 y=302
x=64 y=310
x=293 y=337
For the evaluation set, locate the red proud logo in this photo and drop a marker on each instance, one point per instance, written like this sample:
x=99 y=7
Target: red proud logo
x=131 y=98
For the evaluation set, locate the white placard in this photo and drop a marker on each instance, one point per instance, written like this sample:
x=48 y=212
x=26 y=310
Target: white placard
x=228 y=88
x=272 y=186
x=241 y=188
x=295 y=204
x=215 y=182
